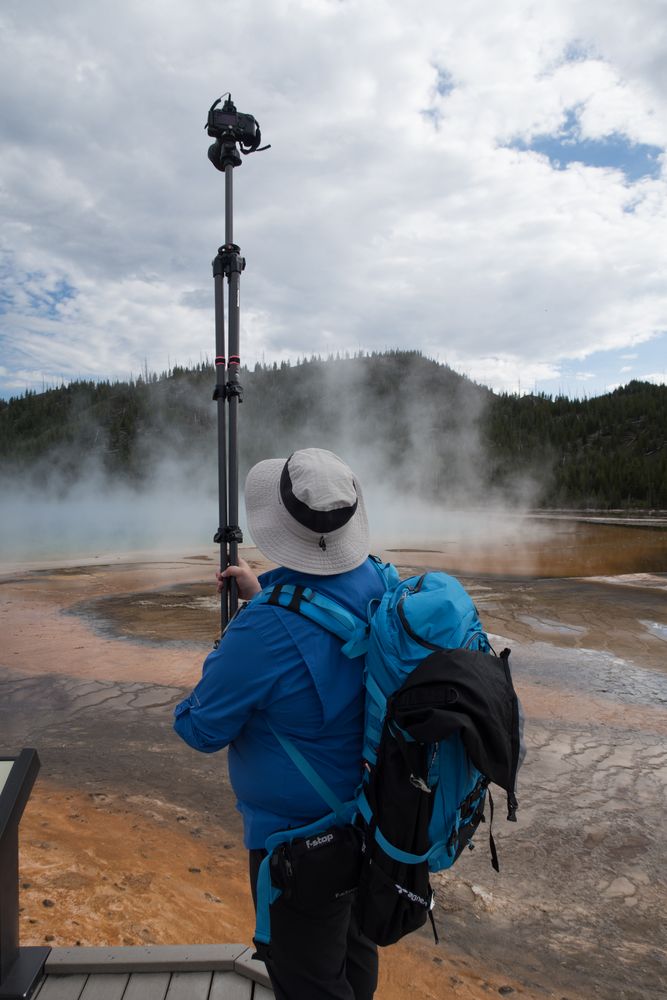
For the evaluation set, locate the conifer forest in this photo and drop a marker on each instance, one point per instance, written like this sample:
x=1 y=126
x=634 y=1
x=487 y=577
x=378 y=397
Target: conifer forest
x=420 y=419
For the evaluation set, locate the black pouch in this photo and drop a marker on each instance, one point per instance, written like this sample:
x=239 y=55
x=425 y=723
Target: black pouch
x=388 y=910
x=320 y=868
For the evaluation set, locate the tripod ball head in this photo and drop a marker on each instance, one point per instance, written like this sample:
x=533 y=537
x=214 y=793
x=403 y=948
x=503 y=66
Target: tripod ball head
x=221 y=153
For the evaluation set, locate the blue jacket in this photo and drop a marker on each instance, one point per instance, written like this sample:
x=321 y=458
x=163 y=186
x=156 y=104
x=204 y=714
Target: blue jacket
x=274 y=664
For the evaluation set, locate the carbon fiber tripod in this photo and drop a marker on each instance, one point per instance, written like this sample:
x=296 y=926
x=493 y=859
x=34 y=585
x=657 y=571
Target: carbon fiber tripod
x=232 y=132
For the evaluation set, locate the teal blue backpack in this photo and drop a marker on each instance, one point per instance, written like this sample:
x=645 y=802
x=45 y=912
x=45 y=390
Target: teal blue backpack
x=442 y=720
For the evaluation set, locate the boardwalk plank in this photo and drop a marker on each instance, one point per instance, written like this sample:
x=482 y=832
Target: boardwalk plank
x=145 y=958
x=189 y=986
x=173 y=972
x=230 y=986
x=261 y=993
x=147 y=986
x=63 y=987
x=105 y=987
x=246 y=965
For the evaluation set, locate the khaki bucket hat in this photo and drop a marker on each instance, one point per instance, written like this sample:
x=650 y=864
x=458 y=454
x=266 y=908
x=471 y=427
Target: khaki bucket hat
x=307 y=512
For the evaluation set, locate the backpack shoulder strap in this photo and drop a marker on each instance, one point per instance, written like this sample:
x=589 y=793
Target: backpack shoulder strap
x=325 y=611
x=320 y=609
x=387 y=572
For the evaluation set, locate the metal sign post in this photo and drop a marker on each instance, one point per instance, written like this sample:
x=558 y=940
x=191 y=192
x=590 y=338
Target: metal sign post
x=20 y=968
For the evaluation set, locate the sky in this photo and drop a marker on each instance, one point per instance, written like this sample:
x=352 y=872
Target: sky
x=486 y=183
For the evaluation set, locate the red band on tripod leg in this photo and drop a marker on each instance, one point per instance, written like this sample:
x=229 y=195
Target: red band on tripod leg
x=220 y=360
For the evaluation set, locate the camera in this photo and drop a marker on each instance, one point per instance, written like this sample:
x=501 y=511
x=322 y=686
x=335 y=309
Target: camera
x=228 y=127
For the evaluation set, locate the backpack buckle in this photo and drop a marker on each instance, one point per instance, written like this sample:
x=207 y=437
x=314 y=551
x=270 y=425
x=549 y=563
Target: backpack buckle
x=419 y=783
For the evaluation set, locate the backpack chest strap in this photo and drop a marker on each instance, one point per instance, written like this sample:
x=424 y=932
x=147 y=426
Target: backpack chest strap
x=338 y=808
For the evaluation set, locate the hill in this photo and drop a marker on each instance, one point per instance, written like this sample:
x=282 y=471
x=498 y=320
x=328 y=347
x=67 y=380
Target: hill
x=402 y=419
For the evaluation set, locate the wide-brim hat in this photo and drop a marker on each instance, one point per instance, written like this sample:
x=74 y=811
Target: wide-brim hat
x=307 y=512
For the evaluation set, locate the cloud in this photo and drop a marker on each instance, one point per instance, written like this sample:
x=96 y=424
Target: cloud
x=389 y=212
x=658 y=378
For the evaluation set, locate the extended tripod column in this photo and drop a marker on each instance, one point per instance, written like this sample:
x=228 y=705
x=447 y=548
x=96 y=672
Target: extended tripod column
x=229 y=263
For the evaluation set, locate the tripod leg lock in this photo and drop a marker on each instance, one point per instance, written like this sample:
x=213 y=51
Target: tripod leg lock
x=229 y=391
x=230 y=533
x=234 y=389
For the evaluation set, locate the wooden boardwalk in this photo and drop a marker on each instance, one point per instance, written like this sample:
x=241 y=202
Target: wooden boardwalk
x=180 y=972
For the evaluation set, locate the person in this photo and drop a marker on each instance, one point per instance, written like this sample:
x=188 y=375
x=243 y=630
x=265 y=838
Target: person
x=275 y=668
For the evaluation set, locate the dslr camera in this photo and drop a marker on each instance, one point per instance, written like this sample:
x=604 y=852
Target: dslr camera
x=229 y=127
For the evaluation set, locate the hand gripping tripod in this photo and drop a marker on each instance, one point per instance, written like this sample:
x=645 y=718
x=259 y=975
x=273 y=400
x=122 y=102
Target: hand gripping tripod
x=230 y=130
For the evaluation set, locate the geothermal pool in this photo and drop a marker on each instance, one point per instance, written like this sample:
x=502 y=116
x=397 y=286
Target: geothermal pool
x=131 y=837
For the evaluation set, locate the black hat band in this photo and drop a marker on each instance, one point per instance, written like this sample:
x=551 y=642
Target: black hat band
x=320 y=521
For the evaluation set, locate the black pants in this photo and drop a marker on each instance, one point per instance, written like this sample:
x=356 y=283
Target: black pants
x=317 y=954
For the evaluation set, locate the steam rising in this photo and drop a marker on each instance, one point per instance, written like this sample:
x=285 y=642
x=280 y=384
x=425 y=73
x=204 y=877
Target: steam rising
x=417 y=449
x=96 y=515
